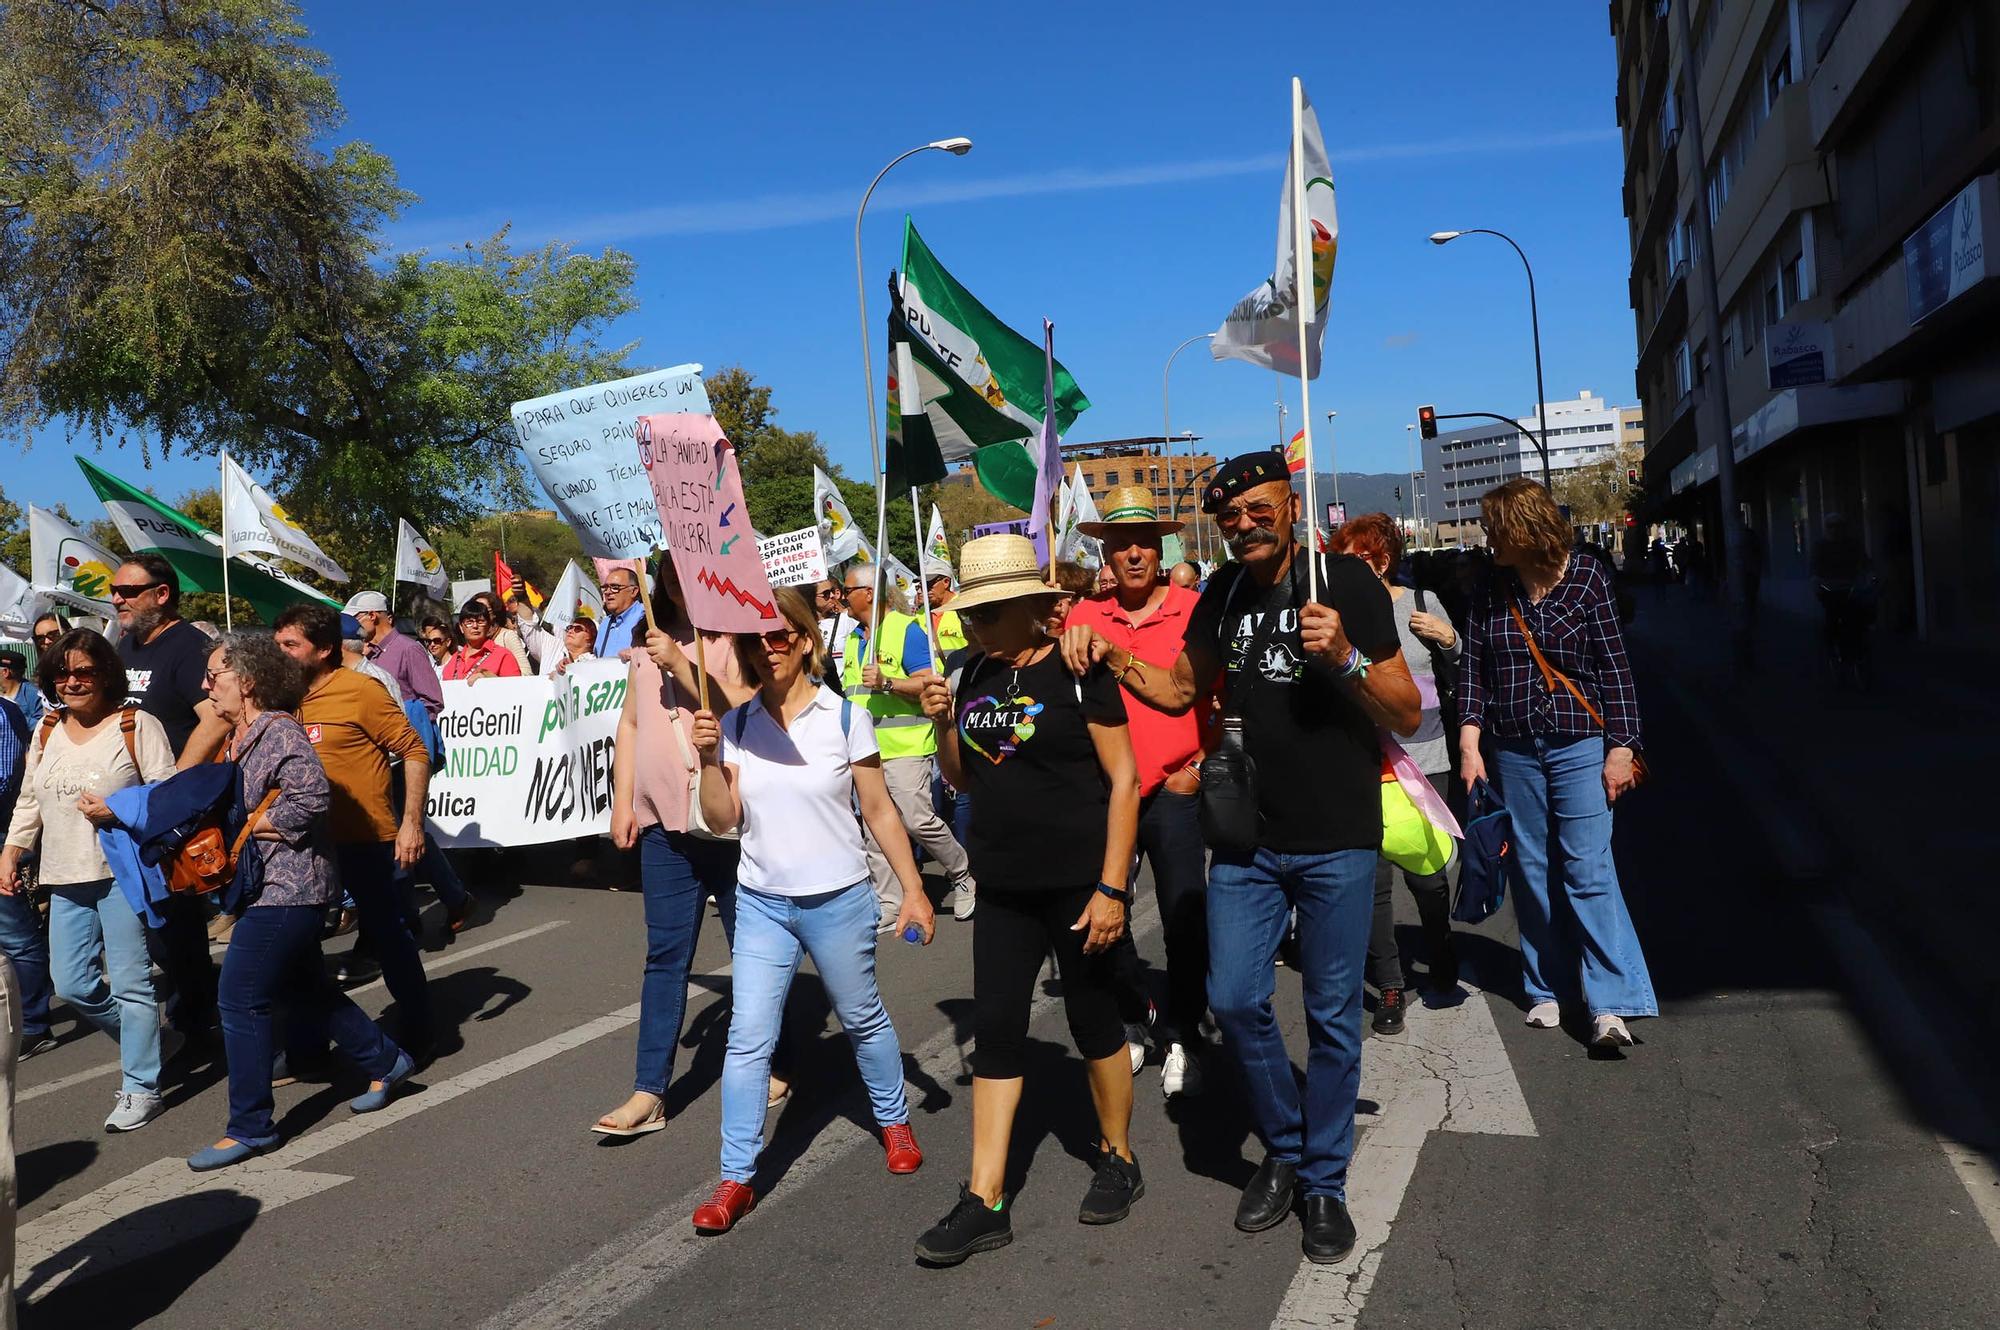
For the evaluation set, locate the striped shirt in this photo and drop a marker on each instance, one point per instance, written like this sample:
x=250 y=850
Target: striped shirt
x=1576 y=626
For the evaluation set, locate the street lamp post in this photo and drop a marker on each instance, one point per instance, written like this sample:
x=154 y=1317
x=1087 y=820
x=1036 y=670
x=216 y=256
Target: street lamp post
x=1534 y=325
x=1410 y=437
x=957 y=147
x=1167 y=424
x=1333 y=455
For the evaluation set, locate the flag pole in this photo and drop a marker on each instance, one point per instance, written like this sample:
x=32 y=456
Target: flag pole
x=228 y=612
x=1303 y=280
x=923 y=582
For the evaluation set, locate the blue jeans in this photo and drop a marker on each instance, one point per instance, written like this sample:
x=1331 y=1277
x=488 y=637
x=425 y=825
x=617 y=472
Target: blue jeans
x=677 y=873
x=837 y=929
x=1554 y=788
x=368 y=872
x=21 y=941
x=1250 y=896
x=435 y=869
x=84 y=919
x=274 y=956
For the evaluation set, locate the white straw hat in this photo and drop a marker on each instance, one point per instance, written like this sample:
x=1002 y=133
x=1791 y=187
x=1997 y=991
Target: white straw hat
x=997 y=568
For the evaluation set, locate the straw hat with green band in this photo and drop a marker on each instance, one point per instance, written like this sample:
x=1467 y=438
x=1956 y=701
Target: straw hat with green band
x=1129 y=509
x=996 y=568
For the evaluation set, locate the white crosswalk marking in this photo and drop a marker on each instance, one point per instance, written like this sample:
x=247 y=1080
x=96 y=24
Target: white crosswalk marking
x=1447 y=1072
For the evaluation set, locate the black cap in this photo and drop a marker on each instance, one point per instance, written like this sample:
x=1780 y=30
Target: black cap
x=14 y=658
x=1244 y=472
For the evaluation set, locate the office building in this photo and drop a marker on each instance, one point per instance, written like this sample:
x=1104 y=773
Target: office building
x=1460 y=465
x=1847 y=173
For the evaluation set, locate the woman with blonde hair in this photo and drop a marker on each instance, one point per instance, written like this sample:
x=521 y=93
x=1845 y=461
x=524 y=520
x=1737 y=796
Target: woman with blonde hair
x=1546 y=679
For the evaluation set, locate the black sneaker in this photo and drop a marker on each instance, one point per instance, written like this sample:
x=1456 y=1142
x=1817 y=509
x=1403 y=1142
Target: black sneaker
x=972 y=1226
x=1116 y=1185
x=1389 y=1012
x=32 y=1044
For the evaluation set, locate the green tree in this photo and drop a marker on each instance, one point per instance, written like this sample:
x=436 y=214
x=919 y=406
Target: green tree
x=179 y=254
x=538 y=545
x=1601 y=491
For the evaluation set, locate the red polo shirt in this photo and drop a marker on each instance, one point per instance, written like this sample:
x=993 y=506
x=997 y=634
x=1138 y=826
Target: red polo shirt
x=1163 y=744
x=488 y=655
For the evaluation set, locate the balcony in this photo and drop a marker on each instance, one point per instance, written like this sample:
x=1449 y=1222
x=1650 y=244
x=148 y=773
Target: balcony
x=1779 y=178
x=1670 y=321
x=1856 y=52
x=1664 y=200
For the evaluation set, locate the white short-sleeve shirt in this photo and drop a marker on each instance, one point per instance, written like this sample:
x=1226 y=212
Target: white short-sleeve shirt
x=801 y=836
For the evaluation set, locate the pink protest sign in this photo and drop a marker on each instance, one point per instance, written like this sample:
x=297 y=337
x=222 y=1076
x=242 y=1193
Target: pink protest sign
x=700 y=495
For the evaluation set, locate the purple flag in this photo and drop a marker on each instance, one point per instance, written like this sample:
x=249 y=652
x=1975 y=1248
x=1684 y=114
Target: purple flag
x=1048 y=449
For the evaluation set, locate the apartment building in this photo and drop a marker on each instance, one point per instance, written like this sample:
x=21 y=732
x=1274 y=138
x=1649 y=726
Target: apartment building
x=1460 y=465
x=1846 y=174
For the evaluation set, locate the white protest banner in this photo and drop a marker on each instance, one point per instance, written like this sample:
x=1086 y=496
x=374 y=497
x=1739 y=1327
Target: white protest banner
x=527 y=761
x=793 y=558
x=580 y=445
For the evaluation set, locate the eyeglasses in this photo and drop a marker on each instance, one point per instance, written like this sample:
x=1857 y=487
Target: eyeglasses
x=850 y=590
x=62 y=672
x=620 y=588
x=132 y=592
x=779 y=638
x=1259 y=512
x=210 y=676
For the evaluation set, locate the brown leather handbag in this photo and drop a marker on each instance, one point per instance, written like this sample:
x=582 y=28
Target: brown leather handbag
x=1551 y=676
x=205 y=862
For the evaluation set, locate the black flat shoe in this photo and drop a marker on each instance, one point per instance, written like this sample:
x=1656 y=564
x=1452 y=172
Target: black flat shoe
x=1329 y=1230
x=1268 y=1198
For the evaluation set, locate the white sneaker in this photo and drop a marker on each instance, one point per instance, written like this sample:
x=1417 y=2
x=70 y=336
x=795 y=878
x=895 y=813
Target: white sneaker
x=1135 y=1044
x=129 y=1112
x=1609 y=1032
x=1545 y=1016
x=1180 y=1074
x=963 y=900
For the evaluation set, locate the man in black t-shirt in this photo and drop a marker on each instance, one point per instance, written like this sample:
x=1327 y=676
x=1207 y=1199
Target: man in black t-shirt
x=1305 y=681
x=166 y=659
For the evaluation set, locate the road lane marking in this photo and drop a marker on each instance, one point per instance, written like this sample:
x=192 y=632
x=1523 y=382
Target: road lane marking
x=1448 y=1072
x=108 y=1228
x=1980 y=1179
x=599 y=1287
x=448 y=961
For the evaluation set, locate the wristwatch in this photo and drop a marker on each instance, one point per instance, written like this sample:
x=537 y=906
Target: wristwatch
x=1122 y=897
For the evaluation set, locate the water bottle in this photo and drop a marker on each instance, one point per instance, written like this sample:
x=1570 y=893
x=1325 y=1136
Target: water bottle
x=913 y=935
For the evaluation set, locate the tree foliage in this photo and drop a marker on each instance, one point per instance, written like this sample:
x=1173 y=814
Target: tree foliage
x=179 y=256
x=1600 y=491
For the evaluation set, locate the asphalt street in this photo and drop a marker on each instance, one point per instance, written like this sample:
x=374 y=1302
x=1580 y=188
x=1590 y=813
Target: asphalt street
x=1782 y=1148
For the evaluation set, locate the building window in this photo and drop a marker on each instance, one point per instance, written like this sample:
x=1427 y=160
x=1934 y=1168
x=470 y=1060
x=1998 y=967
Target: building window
x=1779 y=76
x=1683 y=371
x=1111 y=477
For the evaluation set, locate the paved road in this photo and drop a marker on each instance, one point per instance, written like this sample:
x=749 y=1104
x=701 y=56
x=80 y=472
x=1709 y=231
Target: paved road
x=1768 y=1156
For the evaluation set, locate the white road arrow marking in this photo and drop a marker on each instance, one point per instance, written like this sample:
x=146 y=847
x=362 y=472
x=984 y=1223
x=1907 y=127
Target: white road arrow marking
x=1448 y=1072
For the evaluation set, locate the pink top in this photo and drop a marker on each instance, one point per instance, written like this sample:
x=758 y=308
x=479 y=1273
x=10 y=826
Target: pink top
x=660 y=785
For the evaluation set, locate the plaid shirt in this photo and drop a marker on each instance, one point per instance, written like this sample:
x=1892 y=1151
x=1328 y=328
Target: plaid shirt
x=1576 y=626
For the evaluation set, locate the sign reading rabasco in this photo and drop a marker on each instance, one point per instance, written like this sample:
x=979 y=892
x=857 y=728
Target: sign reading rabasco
x=527 y=761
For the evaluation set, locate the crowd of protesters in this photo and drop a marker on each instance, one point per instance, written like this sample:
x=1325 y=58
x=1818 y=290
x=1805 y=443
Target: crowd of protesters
x=1040 y=735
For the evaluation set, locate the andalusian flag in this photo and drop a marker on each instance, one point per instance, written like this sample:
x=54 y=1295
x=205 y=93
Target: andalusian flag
x=979 y=381
x=256 y=521
x=418 y=563
x=937 y=547
x=68 y=566
x=144 y=523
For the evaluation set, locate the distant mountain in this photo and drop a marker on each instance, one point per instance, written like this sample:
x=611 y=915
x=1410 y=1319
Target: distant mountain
x=1362 y=492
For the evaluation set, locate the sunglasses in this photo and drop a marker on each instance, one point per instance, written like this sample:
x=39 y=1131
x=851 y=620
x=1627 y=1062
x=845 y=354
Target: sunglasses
x=43 y=639
x=850 y=590
x=438 y=640
x=85 y=672
x=983 y=613
x=778 y=639
x=132 y=592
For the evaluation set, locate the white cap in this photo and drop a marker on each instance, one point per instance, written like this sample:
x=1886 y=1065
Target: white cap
x=367 y=602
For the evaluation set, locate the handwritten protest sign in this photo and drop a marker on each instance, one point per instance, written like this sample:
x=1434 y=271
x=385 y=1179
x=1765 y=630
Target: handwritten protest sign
x=700 y=496
x=580 y=446
x=793 y=557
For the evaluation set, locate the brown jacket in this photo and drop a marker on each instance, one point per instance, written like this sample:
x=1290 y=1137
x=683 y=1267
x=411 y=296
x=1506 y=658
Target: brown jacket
x=356 y=729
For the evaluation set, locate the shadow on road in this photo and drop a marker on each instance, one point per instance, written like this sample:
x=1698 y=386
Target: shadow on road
x=148 y=1286
x=46 y=1166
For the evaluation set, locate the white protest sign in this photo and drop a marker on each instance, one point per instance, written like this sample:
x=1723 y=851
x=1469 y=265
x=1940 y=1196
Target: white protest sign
x=579 y=444
x=527 y=761
x=792 y=558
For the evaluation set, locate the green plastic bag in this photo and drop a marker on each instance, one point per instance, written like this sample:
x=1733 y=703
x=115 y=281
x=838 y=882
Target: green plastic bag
x=1410 y=840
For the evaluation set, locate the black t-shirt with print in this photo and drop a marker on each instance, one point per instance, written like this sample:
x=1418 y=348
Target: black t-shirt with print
x=164 y=677
x=1039 y=801
x=1319 y=762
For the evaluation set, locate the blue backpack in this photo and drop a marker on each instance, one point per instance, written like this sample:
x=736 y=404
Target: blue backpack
x=427 y=730
x=1486 y=858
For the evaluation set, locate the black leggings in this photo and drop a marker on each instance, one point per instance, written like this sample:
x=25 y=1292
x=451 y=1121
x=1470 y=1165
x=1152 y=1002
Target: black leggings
x=1012 y=934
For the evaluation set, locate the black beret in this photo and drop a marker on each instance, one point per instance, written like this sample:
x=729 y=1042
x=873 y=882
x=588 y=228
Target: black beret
x=1244 y=472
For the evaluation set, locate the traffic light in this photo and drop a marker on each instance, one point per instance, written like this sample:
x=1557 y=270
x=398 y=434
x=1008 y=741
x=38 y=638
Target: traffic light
x=1427 y=421
x=1631 y=475
x=1630 y=520
x=1399 y=494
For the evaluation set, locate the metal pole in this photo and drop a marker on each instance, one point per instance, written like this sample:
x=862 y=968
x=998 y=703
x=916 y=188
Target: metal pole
x=1735 y=540
x=228 y=612
x=1333 y=455
x=1534 y=328
x=1410 y=437
x=1167 y=423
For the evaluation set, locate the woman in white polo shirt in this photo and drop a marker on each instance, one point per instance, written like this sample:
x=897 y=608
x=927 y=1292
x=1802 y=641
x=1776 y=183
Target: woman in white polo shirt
x=788 y=768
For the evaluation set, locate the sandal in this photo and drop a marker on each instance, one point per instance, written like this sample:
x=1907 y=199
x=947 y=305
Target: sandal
x=777 y=1093
x=656 y=1120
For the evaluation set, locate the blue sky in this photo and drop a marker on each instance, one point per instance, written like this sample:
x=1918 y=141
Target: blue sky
x=1124 y=183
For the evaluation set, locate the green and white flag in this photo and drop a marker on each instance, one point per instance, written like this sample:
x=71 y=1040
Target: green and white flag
x=68 y=566
x=980 y=382
x=839 y=534
x=418 y=563
x=937 y=548
x=257 y=522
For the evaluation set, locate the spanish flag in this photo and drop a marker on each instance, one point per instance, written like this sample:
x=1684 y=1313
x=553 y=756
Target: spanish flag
x=1295 y=453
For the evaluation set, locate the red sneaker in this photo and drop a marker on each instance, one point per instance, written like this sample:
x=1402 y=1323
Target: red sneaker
x=732 y=1201
x=900 y=1145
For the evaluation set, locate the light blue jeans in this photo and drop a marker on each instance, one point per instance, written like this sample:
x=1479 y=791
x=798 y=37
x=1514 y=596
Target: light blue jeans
x=86 y=918
x=837 y=929
x=1554 y=789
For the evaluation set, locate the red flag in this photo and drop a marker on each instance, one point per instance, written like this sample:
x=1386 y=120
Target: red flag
x=1295 y=453
x=503 y=577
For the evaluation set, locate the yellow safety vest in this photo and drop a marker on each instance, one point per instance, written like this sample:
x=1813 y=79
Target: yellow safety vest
x=950 y=634
x=901 y=727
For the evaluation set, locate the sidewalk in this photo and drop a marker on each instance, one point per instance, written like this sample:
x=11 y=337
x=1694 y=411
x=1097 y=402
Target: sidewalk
x=1879 y=794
